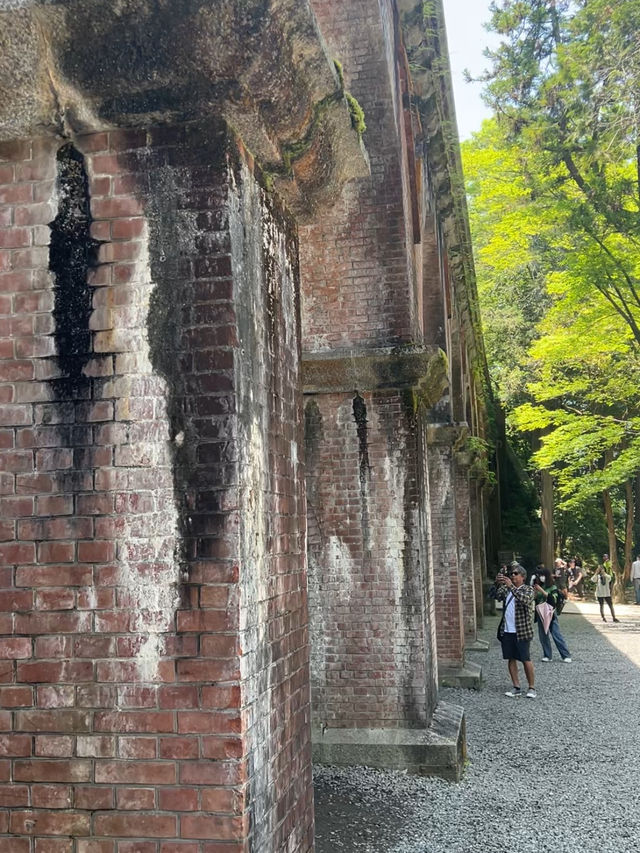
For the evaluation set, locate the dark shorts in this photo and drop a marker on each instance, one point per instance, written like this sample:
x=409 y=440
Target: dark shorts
x=515 y=649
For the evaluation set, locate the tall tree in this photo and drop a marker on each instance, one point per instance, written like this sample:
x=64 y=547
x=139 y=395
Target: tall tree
x=565 y=86
x=566 y=83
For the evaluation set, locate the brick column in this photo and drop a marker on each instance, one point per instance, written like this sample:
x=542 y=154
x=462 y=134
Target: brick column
x=465 y=545
x=153 y=648
x=450 y=585
x=368 y=571
x=444 y=546
x=370 y=590
x=479 y=553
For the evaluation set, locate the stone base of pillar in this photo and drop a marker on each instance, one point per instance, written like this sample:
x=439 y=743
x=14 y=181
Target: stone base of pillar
x=477 y=645
x=468 y=676
x=488 y=604
x=439 y=750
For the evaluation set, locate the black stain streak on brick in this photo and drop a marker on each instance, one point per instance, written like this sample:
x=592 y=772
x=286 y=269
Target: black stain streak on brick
x=72 y=253
x=360 y=417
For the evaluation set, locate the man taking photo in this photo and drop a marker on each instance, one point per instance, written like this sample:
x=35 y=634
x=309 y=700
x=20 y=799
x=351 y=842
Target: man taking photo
x=516 y=626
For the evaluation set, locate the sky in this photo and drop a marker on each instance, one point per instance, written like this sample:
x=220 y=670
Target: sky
x=467 y=39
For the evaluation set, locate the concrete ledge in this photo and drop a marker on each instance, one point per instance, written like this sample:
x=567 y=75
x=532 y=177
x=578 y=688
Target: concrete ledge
x=422 y=369
x=477 y=646
x=439 y=750
x=468 y=676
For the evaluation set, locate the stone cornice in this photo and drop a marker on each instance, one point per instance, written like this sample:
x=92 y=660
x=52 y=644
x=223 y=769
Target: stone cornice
x=452 y=435
x=417 y=368
x=77 y=66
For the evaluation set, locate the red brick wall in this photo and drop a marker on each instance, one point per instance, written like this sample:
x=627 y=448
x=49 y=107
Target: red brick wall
x=443 y=548
x=153 y=641
x=434 y=309
x=367 y=572
x=357 y=260
x=370 y=591
x=465 y=548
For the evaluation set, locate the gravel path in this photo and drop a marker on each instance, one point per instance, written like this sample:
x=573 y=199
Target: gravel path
x=588 y=775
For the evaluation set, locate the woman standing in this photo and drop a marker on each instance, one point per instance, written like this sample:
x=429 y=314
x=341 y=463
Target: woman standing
x=547 y=591
x=602 y=580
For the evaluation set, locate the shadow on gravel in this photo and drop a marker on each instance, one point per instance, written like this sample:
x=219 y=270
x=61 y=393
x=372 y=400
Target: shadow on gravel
x=361 y=815
x=593 y=704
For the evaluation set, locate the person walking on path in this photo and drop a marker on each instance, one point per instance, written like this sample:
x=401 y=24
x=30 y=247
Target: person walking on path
x=635 y=577
x=516 y=626
x=575 y=578
x=547 y=591
x=603 y=591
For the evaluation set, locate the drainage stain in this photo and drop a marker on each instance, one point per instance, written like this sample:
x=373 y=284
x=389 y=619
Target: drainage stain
x=72 y=253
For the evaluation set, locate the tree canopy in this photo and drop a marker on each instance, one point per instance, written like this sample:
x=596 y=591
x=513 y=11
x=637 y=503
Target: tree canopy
x=554 y=196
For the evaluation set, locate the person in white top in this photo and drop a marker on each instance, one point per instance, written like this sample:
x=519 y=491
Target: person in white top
x=635 y=577
x=515 y=630
x=602 y=580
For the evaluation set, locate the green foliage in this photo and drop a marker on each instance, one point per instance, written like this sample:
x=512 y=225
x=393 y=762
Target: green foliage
x=565 y=84
x=355 y=110
x=584 y=531
x=480 y=453
x=554 y=200
x=512 y=256
x=520 y=516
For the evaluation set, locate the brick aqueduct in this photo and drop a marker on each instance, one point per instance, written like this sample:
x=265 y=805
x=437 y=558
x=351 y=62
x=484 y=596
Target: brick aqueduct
x=242 y=407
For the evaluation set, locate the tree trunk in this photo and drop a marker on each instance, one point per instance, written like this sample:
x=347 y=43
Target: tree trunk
x=547 y=552
x=628 y=539
x=618 y=589
x=636 y=520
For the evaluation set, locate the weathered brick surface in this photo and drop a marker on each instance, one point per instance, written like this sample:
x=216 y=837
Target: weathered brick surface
x=357 y=261
x=367 y=573
x=373 y=275
x=444 y=554
x=376 y=272
x=465 y=548
x=153 y=633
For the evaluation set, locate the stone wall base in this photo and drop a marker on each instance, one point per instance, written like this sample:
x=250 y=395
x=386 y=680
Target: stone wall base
x=439 y=750
x=468 y=676
x=477 y=645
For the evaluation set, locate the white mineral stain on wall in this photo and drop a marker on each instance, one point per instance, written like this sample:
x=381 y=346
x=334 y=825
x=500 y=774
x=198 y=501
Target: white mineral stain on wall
x=401 y=558
x=391 y=533
x=332 y=567
x=252 y=383
x=148 y=536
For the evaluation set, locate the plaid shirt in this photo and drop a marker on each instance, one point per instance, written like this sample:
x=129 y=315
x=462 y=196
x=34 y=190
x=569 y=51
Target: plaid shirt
x=525 y=608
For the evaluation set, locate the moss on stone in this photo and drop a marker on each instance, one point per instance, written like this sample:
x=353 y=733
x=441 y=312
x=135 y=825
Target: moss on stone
x=357 y=114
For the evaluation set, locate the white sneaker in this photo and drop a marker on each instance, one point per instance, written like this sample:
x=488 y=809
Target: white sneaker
x=531 y=693
x=566 y=660
x=546 y=660
x=514 y=692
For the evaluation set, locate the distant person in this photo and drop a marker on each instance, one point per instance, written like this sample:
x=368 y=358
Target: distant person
x=635 y=577
x=575 y=579
x=560 y=573
x=602 y=580
x=515 y=631
x=546 y=590
x=560 y=576
x=539 y=568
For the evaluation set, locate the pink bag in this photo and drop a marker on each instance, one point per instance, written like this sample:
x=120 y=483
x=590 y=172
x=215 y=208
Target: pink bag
x=545 y=615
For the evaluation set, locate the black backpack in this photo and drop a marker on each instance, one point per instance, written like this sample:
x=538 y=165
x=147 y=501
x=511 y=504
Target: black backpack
x=559 y=601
